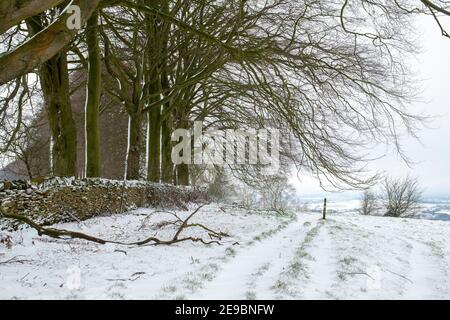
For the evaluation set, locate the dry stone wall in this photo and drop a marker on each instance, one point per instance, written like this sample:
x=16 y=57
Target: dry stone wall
x=61 y=200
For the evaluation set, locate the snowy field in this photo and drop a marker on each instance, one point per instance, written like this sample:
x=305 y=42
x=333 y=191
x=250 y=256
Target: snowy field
x=266 y=257
x=430 y=209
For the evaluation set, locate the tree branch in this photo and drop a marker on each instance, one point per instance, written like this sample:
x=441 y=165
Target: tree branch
x=13 y=12
x=44 y=45
x=63 y=234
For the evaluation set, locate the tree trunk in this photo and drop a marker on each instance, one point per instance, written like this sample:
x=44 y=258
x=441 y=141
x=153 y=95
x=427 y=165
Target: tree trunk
x=166 y=151
x=135 y=146
x=154 y=56
x=183 y=175
x=154 y=145
x=182 y=170
x=167 y=167
x=93 y=99
x=54 y=79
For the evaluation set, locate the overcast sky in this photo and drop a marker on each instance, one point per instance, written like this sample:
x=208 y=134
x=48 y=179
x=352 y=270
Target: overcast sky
x=432 y=155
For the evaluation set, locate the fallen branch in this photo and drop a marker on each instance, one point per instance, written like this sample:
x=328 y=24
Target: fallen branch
x=162 y=223
x=15 y=260
x=63 y=234
x=211 y=233
x=73 y=216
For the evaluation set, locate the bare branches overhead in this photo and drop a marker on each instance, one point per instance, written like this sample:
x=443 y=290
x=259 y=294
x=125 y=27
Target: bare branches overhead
x=12 y=12
x=333 y=77
x=43 y=45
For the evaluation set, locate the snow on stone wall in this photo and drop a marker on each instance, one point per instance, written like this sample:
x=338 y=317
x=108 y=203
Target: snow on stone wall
x=68 y=199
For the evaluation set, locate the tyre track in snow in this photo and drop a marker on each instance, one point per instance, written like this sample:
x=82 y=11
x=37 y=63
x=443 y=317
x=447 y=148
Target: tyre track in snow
x=255 y=269
x=339 y=258
x=322 y=271
x=423 y=275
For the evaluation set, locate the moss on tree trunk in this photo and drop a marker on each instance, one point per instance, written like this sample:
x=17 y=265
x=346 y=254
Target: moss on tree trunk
x=135 y=146
x=93 y=168
x=166 y=151
x=54 y=79
x=154 y=145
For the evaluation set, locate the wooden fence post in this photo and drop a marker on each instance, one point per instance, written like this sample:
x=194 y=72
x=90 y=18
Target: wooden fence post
x=324 y=208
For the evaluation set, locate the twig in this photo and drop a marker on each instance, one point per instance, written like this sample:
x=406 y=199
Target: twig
x=401 y=276
x=21 y=279
x=184 y=224
x=73 y=216
x=144 y=221
x=138 y=274
x=15 y=260
x=358 y=273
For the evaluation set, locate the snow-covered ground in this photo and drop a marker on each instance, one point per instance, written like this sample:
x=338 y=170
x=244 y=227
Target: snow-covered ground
x=348 y=256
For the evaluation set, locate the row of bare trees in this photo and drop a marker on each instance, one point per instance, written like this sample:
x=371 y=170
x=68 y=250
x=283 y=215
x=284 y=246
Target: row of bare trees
x=331 y=76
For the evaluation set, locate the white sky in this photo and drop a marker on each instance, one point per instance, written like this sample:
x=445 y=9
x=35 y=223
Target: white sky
x=432 y=155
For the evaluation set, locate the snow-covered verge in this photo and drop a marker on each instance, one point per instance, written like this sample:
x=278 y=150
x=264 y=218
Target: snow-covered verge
x=44 y=268
x=266 y=256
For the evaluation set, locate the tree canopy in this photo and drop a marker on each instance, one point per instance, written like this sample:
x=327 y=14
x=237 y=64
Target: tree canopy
x=331 y=76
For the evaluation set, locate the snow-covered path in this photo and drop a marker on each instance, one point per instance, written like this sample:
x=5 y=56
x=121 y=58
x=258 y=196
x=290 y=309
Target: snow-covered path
x=345 y=257
x=267 y=257
x=254 y=270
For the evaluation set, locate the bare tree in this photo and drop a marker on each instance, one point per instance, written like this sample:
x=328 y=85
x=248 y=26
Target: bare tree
x=272 y=192
x=368 y=203
x=402 y=196
x=277 y=194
